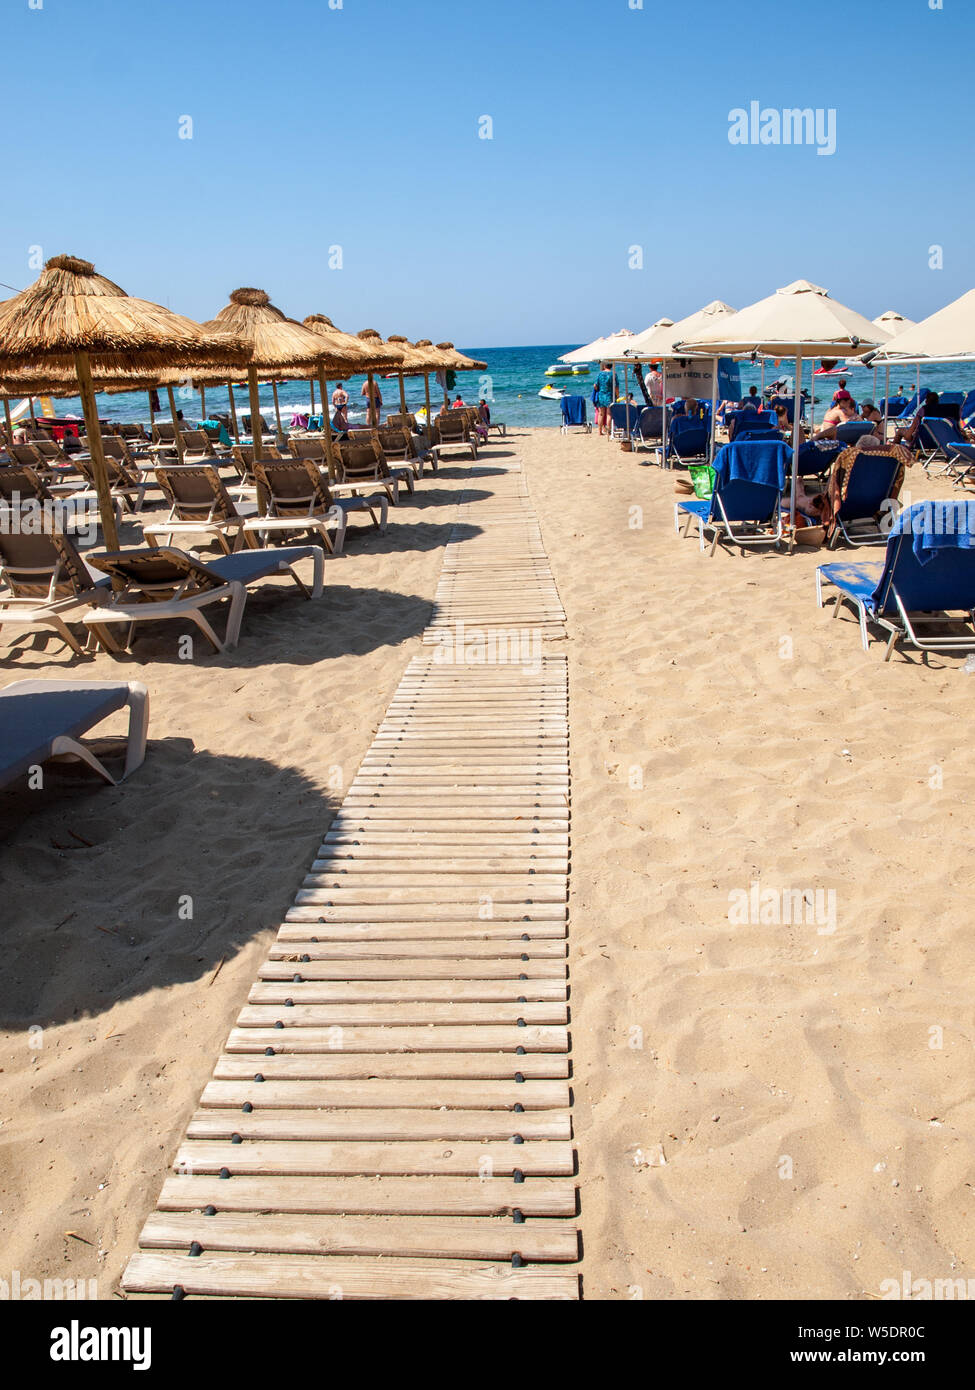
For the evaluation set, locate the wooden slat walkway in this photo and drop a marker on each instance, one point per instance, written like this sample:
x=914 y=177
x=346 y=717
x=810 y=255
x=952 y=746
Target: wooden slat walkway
x=390 y=1117
x=498 y=578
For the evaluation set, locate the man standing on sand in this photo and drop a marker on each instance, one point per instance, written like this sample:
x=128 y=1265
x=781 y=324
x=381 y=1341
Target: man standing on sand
x=375 y=401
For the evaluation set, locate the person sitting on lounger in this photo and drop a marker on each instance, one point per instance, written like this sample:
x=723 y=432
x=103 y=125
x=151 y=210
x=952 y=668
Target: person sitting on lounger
x=869 y=411
x=929 y=407
x=783 y=423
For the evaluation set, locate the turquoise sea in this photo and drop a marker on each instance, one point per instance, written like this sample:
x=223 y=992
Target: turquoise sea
x=511 y=383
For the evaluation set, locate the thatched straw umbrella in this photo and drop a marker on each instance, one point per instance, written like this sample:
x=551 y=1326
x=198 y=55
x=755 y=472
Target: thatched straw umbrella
x=280 y=348
x=383 y=356
x=445 y=357
x=73 y=319
x=414 y=360
x=347 y=355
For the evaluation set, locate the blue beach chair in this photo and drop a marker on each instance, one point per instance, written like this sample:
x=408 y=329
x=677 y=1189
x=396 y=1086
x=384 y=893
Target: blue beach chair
x=623 y=419
x=649 y=426
x=927 y=575
x=745 y=507
x=864 y=514
x=937 y=438
x=574 y=413
x=687 y=438
x=853 y=430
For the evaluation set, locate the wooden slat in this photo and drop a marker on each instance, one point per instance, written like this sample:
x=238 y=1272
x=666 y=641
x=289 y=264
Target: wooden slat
x=370 y=1196
x=442 y=1038
x=319 y=1066
x=294 y=1277
x=400 y=991
x=377 y=1126
x=545 y=1158
x=382 y=1094
x=276 y=1233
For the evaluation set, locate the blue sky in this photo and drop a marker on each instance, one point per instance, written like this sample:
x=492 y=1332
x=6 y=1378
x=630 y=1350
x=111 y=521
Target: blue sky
x=358 y=127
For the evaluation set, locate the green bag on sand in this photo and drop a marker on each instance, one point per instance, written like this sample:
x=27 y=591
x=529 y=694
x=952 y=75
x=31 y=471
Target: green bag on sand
x=702 y=478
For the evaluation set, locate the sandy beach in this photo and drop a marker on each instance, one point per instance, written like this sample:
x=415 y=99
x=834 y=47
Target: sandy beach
x=761 y=1109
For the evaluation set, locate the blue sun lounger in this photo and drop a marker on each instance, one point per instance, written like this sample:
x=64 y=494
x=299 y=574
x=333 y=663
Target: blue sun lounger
x=688 y=438
x=574 y=413
x=745 y=506
x=927 y=575
x=853 y=430
x=937 y=438
x=45 y=719
x=864 y=515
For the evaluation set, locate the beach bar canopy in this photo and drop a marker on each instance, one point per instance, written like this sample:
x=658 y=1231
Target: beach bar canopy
x=72 y=320
x=799 y=321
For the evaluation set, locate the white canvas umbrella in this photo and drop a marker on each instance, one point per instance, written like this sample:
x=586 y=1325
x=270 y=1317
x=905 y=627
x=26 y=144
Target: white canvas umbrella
x=945 y=336
x=800 y=321
x=600 y=349
x=657 y=344
x=893 y=323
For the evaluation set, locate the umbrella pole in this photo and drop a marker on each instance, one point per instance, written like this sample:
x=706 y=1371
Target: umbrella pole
x=327 y=427
x=10 y=423
x=714 y=408
x=311 y=383
x=426 y=388
x=886 y=399
x=203 y=402
x=795 y=457
x=176 y=423
x=812 y=402
x=152 y=415
x=33 y=417
x=402 y=395
x=233 y=411
x=98 y=466
x=663 y=401
x=255 y=399
x=763 y=383
x=370 y=417
x=277 y=410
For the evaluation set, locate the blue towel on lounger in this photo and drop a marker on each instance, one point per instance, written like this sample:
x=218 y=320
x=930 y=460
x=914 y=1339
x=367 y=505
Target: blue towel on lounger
x=753 y=461
x=936 y=526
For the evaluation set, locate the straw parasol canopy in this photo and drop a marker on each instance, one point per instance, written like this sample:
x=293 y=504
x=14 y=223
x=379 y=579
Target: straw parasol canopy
x=72 y=319
x=413 y=360
x=458 y=361
x=945 y=336
x=279 y=347
x=349 y=354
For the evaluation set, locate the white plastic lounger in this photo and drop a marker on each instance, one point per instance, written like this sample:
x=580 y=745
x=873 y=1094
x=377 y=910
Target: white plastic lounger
x=46 y=719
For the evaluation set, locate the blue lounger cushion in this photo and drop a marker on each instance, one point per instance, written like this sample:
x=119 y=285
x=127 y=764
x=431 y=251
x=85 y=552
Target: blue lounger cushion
x=36 y=714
